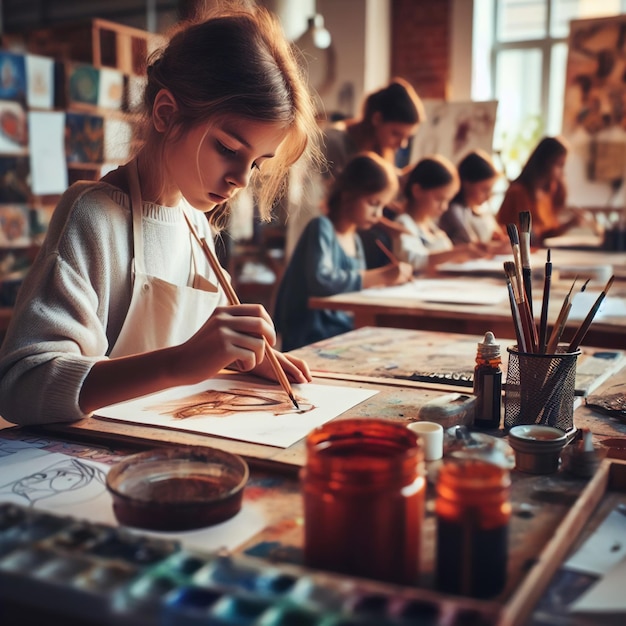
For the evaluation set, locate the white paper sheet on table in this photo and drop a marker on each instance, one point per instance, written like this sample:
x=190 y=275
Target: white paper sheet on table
x=236 y=408
x=492 y=266
x=603 y=554
x=610 y=307
x=445 y=291
x=67 y=485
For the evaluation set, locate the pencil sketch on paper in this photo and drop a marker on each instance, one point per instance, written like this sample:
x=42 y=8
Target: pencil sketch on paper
x=54 y=482
x=212 y=402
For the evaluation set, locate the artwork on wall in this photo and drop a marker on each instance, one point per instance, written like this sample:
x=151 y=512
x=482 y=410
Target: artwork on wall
x=40 y=82
x=14 y=179
x=12 y=76
x=84 y=138
x=110 y=89
x=47 y=152
x=14 y=225
x=13 y=128
x=83 y=84
x=452 y=129
x=594 y=114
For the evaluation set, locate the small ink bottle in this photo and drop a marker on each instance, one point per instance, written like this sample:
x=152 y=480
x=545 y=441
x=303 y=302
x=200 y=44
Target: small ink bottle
x=488 y=383
x=473 y=509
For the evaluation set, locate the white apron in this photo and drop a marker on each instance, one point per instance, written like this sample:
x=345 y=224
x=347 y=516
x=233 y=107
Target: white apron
x=161 y=314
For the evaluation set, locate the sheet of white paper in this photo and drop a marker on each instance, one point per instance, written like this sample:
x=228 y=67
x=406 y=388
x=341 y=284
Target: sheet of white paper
x=611 y=306
x=607 y=595
x=444 y=291
x=67 y=485
x=47 y=152
x=493 y=266
x=603 y=549
x=239 y=409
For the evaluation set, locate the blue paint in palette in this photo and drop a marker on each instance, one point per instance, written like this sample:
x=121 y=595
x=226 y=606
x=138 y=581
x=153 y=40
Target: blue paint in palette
x=96 y=573
x=240 y=610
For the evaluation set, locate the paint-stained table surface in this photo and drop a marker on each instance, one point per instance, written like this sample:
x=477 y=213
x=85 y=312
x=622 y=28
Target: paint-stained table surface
x=540 y=503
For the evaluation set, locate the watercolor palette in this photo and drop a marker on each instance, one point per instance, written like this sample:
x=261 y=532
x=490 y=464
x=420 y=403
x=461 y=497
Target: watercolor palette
x=108 y=575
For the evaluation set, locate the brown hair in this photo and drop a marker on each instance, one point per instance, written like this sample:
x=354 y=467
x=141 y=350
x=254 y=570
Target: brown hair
x=431 y=173
x=365 y=174
x=236 y=62
x=540 y=162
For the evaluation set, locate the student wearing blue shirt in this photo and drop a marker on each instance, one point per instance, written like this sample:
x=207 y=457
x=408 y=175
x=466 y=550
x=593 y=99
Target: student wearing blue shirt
x=329 y=257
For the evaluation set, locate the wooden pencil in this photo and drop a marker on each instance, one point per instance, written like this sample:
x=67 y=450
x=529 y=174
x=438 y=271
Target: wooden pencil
x=388 y=253
x=232 y=298
x=580 y=333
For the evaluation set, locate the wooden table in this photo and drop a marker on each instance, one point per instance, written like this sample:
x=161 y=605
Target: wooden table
x=540 y=503
x=609 y=332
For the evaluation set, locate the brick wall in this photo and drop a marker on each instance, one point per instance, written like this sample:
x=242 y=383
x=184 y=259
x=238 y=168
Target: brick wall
x=420 y=48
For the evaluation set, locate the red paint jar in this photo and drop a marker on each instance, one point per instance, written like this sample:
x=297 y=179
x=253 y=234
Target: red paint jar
x=364 y=487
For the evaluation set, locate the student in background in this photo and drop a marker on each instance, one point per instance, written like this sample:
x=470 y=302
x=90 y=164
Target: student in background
x=469 y=219
x=329 y=257
x=430 y=186
x=121 y=301
x=540 y=189
x=390 y=117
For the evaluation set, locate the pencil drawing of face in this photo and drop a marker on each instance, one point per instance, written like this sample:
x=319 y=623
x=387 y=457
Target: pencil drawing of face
x=57 y=480
x=212 y=402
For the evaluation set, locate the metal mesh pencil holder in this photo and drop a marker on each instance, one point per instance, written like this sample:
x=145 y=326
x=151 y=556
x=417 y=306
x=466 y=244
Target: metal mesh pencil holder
x=540 y=389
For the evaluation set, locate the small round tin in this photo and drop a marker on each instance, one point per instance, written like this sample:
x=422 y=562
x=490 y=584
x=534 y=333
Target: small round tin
x=537 y=447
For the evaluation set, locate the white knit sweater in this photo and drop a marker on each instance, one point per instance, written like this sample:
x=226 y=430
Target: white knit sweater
x=75 y=297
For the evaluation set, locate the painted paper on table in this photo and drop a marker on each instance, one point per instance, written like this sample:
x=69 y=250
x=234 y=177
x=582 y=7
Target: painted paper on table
x=233 y=407
x=70 y=485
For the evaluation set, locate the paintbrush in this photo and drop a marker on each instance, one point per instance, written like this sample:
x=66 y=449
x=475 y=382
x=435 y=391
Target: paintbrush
x=517 y=322
x=525 y=312
x=559 y=324
x=525 y=331
x=543 y=322
x=524 y=238
x=232 y=297
x=584 y=327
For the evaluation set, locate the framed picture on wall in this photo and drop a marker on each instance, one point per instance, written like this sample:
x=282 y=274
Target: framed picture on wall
x=594 y=113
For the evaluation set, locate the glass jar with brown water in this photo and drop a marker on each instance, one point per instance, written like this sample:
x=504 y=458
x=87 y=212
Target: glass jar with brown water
x=473 y=511
x=363 y=487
